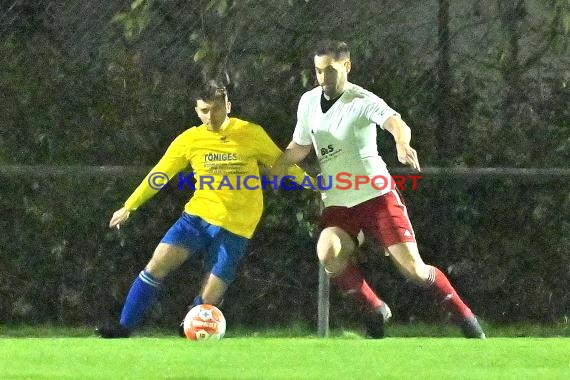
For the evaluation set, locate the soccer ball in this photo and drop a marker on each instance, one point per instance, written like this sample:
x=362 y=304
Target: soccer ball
x=204 y=322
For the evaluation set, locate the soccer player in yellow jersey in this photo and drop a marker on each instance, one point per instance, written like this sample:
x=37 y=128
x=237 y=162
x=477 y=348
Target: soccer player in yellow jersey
x=221 y=216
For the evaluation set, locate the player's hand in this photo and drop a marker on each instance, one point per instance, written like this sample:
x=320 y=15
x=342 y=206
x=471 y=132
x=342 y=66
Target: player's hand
x=119 y=217
x=277 y=170
x=408 y=156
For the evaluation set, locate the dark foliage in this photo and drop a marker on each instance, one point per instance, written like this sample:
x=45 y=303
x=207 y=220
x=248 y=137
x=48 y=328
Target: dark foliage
x=106 y=83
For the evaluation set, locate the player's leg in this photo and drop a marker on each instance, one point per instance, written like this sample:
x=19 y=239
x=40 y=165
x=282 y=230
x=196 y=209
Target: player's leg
x=336 y=246
x=147 y=285
x=184 y=237
x=335 y=249
x=145 y=288
x=394 y=229
x=214 y=290
x=222 y=259
x=408 y=261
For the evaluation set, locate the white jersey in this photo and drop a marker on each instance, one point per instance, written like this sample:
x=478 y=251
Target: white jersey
x=345 y=140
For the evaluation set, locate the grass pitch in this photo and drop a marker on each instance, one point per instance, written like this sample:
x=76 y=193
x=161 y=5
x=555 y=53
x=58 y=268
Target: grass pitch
x=342 y=357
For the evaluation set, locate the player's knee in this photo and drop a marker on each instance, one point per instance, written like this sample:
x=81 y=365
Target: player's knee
x=417 y=272
x=325 y=253
x=165 y=259
x=332 y=263
x=334 y=267
x=334 y=243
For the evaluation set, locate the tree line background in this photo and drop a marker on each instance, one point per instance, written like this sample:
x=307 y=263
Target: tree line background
x=481 y=83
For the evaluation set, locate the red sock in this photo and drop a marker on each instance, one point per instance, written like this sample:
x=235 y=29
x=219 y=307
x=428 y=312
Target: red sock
x=352 y=282
x=445 y=293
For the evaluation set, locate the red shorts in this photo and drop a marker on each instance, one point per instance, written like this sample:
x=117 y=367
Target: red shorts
x=384 y=217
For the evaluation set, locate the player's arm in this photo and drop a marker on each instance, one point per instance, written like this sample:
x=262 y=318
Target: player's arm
x=171 y=163
x=294 y=154
x=269 y=155
x=292 y=169
x=402 y=136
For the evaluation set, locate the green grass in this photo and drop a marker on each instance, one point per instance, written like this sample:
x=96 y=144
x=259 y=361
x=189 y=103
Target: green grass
x=75 y=354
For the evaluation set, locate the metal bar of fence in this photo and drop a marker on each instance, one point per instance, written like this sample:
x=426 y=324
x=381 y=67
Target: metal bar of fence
x=489 y=172
x=323 y=304
x=429 y=172
x=71 y=170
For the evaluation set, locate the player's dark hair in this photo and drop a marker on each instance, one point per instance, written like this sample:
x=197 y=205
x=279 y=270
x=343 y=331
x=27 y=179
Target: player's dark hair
x=337 y=49
x=211 y=90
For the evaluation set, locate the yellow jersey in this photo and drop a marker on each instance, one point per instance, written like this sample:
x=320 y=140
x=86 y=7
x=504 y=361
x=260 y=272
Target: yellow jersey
x=221 y=162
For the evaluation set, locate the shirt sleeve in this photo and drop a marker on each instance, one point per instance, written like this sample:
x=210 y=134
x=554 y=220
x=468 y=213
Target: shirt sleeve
x=377 y=111
x=267 y=151
x=172 y=162
x=302 y=133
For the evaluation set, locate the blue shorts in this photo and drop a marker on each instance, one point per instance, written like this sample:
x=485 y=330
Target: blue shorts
x=220 y=249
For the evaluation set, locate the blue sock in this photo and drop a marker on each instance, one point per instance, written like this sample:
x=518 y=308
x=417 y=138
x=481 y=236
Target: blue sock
x=141 y=296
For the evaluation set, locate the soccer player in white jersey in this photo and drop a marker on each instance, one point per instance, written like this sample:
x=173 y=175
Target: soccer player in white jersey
x=339 y=120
